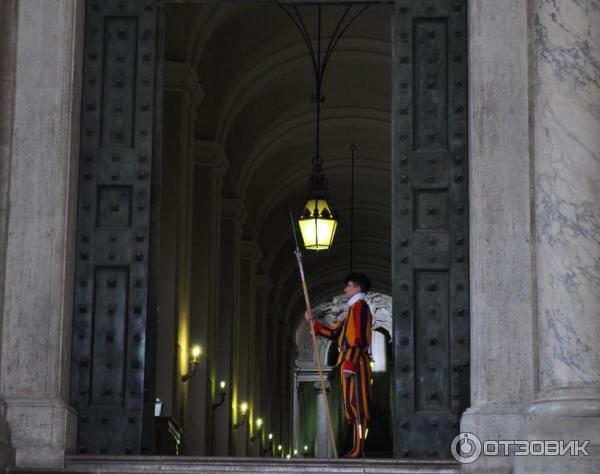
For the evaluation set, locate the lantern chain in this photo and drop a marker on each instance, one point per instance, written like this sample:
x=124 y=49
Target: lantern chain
x=320 y=61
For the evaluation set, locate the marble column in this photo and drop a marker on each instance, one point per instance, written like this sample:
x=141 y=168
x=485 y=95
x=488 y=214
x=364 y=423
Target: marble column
x=210 y=167
x=501 y=235
x=566 y=134
x=233 y=215
x=38 y=255
x=244 y=346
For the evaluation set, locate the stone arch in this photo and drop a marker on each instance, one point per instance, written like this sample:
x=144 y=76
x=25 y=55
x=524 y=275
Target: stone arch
x=330 y=312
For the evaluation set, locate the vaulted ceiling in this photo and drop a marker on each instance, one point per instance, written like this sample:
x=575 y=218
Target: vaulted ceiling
x=258 y=80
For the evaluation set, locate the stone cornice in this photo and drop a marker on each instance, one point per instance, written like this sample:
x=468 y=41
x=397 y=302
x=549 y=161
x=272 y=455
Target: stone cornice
x=233 y=209
x=275 y=310
x=250 y=249
x=264 y=283
x=211 y=154
x=181 y=76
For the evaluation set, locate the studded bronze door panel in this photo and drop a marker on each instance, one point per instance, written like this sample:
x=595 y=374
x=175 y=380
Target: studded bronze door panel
x=113 y=313
x=430 y=199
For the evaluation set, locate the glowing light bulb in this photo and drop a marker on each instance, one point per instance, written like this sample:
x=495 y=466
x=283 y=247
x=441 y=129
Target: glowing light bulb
x=270 y=436
x=244 y=408
x=279 y=447
x=222 y=385
x=305 y=447
x=295 y=452
x=259 y=423
x=196 y=352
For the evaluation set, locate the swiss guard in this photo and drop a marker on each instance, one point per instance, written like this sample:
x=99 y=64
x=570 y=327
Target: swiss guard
x=353 y=336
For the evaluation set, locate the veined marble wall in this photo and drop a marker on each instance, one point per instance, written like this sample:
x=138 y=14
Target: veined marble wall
x=567 y=188
x=566 y=147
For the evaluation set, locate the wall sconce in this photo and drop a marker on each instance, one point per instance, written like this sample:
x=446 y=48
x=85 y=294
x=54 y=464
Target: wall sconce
x=269 y=444
x=280 y=450
x=259 y=425
x=195 y=359
x=244 y=412
x=295 y=452
x=221 y=394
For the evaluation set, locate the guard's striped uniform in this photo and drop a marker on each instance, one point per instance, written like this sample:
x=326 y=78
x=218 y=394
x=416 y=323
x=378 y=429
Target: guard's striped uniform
x=353 y=335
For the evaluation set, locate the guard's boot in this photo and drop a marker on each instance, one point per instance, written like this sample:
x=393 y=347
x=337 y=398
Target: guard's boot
x=357 y=447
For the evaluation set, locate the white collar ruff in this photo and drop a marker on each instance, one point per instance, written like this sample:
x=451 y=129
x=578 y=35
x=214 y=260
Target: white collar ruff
x=355 y=298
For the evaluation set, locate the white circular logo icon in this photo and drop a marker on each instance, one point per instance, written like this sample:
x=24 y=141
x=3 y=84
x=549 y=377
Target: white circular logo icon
x=466 y=448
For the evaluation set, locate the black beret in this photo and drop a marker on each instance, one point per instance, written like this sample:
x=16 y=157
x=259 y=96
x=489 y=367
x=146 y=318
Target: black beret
x=360 y=279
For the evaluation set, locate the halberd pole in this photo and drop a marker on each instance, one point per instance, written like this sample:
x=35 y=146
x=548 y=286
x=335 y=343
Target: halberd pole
x=314 y=340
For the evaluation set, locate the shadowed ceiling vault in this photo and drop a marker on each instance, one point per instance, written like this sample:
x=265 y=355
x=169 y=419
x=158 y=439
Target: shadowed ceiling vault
x=257 y=79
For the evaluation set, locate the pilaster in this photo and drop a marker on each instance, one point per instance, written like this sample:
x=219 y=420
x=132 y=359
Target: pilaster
x=41 y=199
x=245 y=358
x=503 y=372
x=233 y=215
x=182 y=96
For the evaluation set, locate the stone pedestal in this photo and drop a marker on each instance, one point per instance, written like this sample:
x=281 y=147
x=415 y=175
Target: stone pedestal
x=323 y=447
x=38 y=255
x=566 y=119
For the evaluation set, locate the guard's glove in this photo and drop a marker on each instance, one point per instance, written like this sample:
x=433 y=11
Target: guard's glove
x=349 y=368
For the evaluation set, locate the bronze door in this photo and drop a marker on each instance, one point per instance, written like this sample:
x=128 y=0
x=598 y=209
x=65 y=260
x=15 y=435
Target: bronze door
x=113 y=320
x=430 y=230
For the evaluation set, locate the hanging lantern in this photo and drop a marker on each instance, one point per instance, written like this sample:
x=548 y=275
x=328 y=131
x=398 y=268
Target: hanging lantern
x=318 y=222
